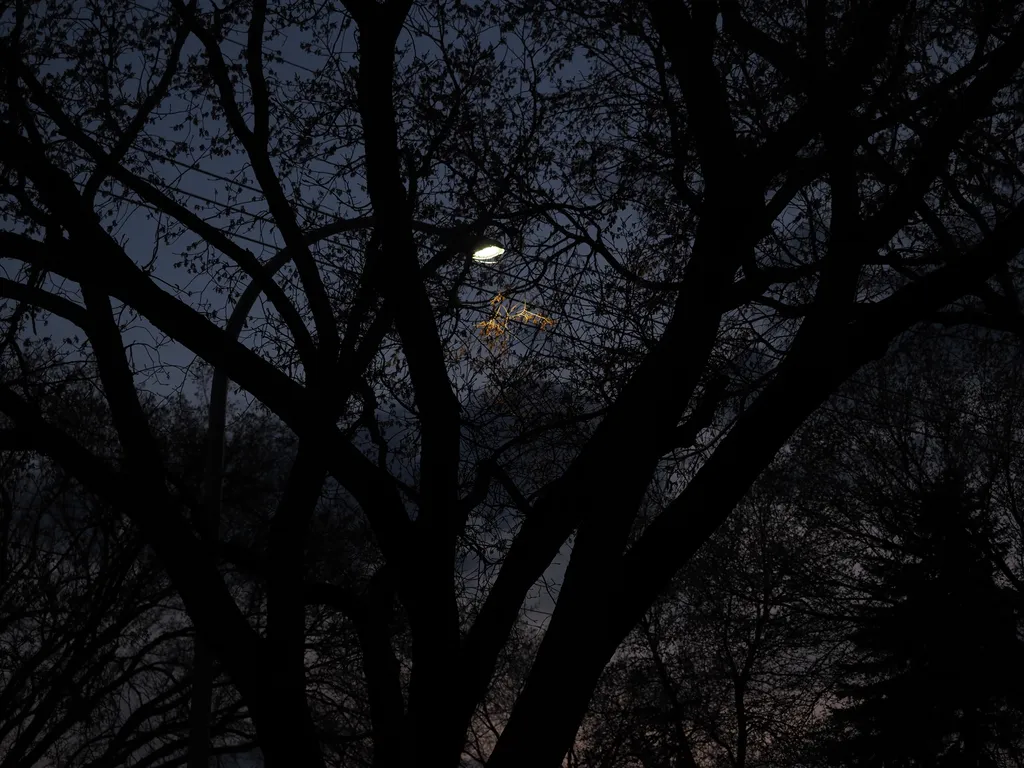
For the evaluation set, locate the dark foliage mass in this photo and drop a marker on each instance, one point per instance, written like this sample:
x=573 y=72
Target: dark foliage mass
x=715 y=466
x=937 y=636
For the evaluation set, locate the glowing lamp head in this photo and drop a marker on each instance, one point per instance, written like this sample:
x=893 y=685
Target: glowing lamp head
x=487 y=251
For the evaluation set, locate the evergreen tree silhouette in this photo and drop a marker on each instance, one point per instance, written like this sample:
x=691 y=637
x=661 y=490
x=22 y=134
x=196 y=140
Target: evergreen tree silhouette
x=939 y=660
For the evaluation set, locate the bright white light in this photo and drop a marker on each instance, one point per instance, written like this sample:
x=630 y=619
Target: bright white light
x=488 y=253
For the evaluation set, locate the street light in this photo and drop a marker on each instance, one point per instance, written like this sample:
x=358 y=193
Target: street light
x=487 y=251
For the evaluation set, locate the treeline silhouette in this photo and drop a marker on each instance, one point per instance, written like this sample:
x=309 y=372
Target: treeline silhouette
x=861 y=609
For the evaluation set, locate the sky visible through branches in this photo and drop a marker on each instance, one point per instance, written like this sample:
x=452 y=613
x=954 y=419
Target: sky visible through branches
x=636 y=495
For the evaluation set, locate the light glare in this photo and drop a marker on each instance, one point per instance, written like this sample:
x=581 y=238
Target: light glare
x=488 y=253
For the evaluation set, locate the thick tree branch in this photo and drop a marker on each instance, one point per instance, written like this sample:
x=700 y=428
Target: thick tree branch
x=753 y=286
x=126 y=282
x=599 y=493
x=840 y=269
x=49 y=302
x=215 y=237
x=217 y=419
x=685 y=435
x=188 y=564
x=257 y=76
x=689 y=41
x=255 y=144
x=414 y=316
x=286 y=614
x=802 y=382
x=832 y=90
x=425 y=573
x=784 y=59
x=930 y=160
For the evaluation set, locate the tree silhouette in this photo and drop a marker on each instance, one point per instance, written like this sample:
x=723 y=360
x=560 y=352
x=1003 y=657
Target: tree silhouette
x=723 y=210
x=95 y=666
x=728 y=668
x=937 y=643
